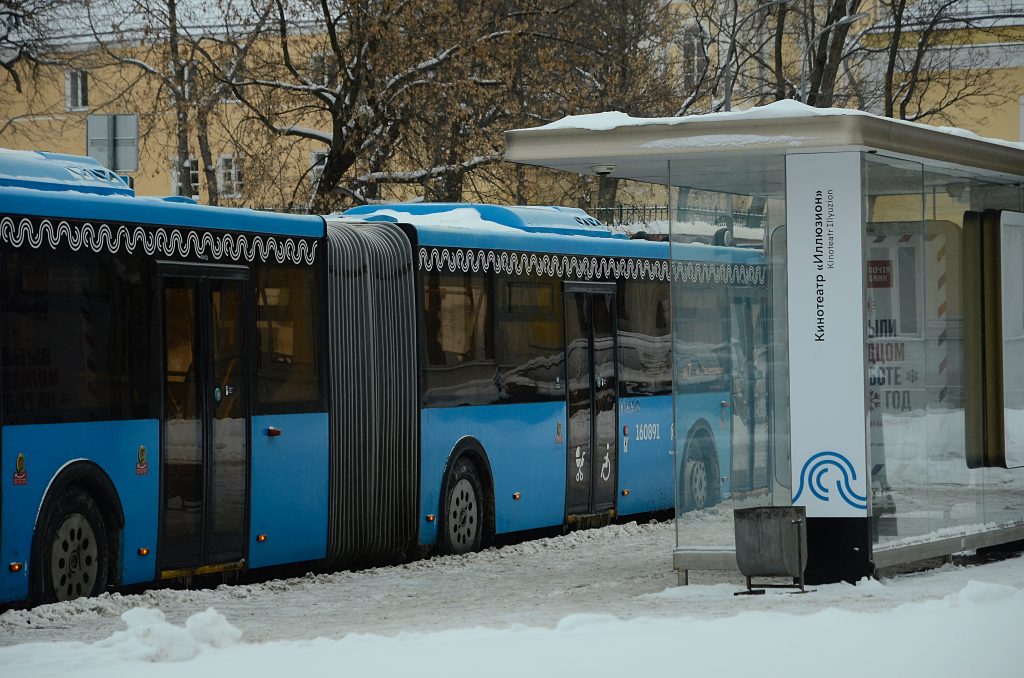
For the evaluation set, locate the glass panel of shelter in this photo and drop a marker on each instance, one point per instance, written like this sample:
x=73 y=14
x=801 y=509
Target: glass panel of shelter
x=922 y=483
x=738 y=335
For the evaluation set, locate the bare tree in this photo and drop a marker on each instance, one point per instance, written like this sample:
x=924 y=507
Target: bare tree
x=159 y=49
x=624 y=55
x=351 y=75
x=26 y=32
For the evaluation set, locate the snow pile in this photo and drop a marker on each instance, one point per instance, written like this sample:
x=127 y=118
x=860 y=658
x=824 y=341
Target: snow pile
x=149 y=637
x=971 y=632
x=458 y=218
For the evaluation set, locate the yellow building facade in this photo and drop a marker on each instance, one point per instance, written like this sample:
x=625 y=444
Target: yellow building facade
x=254 y=167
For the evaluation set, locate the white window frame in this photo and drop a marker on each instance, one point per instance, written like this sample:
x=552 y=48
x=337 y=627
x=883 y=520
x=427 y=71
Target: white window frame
x=193 y=171
x=694 y=55
x=76 y=98
x=229 y=175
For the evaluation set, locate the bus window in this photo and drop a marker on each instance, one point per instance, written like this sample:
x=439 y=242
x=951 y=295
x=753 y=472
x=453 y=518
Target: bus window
x=528 y=340
x=458 y=333
x=77 y=342
x=702 y=340
x=645 y=338
x=287 y=378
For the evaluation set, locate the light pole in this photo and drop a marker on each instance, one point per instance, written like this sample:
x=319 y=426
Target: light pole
x=729 y=76
x=810 y=45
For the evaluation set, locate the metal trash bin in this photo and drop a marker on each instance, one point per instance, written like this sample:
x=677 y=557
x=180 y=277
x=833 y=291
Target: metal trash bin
x=771 y=541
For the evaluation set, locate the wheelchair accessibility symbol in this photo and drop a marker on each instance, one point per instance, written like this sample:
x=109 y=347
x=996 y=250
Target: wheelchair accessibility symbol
x=606 y=468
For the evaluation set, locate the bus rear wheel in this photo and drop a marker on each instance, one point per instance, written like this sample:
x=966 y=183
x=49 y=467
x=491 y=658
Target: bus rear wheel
x=72 y=558
x=698 y=473
x=462 y=527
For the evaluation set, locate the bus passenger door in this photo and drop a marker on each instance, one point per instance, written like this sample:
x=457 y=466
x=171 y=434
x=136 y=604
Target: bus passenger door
x=205 y=461
x=592 y=379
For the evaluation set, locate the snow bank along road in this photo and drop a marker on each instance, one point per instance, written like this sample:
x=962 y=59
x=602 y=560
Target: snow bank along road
x=602 y=601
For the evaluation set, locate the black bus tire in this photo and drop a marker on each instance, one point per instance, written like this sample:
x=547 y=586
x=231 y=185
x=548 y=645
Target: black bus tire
x=698 y=477
x=462 y=517
x=71 y=549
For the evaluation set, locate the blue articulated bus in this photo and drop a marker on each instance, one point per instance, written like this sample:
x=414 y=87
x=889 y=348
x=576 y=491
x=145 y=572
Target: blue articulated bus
x=544 y=362
x=190 y=390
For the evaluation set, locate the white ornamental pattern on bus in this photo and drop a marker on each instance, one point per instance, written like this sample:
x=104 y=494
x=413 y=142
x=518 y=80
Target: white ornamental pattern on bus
x=453 y=260
x=164 y=241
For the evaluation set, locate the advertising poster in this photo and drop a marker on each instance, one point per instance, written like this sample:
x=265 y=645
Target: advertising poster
x=826 y=333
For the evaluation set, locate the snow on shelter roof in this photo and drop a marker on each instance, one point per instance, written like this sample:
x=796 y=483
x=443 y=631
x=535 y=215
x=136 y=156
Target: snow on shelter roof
x=745 y=149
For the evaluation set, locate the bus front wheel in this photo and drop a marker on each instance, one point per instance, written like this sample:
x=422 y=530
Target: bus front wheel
x=462 y=527
x=72 y=557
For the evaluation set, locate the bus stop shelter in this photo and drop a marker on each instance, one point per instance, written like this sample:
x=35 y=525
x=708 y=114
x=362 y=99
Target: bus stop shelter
x=884 y=387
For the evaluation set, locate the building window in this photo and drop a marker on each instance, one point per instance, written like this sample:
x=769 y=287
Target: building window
x=76 y=89
x=229 y=176
x=192 y=165
x=695 y=57
x=317 y=162
x=323 y=69
x=231 y=94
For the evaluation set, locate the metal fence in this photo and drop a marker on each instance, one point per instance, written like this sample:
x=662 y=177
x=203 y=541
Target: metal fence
x=638 y=215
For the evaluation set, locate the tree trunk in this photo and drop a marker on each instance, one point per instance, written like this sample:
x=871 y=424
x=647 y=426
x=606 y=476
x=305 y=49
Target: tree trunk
x=780 y=75
x=898 y=7
x=180 y=104
x=607 y=192
x=206 y=156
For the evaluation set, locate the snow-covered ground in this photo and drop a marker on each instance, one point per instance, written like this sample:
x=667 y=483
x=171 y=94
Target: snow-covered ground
x=597 y=602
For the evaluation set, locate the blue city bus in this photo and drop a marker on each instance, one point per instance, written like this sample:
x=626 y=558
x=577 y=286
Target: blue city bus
x=190 y=390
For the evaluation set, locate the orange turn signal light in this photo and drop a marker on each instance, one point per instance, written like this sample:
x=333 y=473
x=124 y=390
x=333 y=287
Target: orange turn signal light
x=517 y=495
x=261 y=538
x=143 y=551
x=15 y=567
x=625 y=493
x=431 y=517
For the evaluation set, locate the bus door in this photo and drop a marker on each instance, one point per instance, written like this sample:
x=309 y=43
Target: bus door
x=591 y=371
x=749 y=339
x=205 y=408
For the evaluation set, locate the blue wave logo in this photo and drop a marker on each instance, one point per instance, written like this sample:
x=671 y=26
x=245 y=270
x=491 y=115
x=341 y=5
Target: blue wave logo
x=812 y=477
